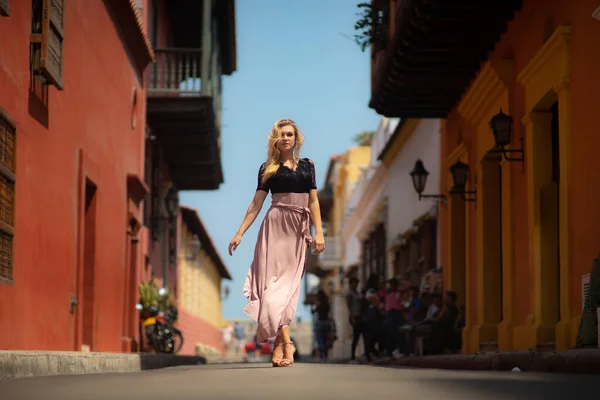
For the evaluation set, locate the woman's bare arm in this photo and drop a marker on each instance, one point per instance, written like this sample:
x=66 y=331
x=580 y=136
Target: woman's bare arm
x=253 y=211
x=315 y=214
x=315 y=211
x=251 y=214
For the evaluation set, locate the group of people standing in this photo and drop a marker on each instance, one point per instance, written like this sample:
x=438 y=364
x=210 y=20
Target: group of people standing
x=390 y=315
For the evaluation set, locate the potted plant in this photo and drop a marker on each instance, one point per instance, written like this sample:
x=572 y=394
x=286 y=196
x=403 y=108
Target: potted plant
x=148 y=294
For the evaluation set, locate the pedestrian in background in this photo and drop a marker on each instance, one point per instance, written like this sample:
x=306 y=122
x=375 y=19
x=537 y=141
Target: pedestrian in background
x=239 y=334
x=227 y=333
x=353 y=302
x=322 y=309
x=370 y=320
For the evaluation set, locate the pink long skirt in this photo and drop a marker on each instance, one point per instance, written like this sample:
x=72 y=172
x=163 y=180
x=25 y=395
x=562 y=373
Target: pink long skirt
x=272 y=285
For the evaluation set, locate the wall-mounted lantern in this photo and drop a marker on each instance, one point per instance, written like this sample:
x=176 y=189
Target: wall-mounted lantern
x=194 y=248
x=172 y=201
x=460 y=177
x=419 y=178
x=501 y=125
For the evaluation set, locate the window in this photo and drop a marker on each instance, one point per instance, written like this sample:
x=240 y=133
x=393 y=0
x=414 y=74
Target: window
x=4 y=8
x=7 y=194
x=47 y=33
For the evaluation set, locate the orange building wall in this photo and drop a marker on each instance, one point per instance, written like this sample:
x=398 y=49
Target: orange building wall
x=524 y=37
x=92 y=113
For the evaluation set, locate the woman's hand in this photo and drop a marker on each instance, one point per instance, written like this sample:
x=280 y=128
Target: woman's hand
x=318 y=243
x=235 y=242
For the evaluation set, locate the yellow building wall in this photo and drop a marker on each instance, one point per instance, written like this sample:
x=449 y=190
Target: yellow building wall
x=354 y=158
x=199 y=284
x=538 y=304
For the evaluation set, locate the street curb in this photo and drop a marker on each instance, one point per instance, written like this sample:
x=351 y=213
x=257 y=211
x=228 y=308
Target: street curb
x=22 y=364
x=570 y=362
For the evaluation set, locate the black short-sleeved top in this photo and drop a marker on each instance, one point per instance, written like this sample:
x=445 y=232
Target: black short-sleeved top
x=285 y=180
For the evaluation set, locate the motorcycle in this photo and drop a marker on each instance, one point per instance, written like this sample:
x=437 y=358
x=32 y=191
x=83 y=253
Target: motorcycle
x=173 y=339
x=161 y=333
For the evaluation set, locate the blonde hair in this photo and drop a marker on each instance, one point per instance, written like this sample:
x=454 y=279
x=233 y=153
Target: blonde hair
x=272 y=164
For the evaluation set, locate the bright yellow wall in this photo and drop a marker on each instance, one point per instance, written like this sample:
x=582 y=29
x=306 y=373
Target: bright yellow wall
x=199 y=284
x=354 y=158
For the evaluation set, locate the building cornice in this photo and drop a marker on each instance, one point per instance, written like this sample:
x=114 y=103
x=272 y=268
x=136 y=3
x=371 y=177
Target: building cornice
x=491 y=82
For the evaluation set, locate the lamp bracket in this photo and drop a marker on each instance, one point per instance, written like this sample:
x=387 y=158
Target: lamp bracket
x=441 y=197
x=465 y=193
x=505 y=153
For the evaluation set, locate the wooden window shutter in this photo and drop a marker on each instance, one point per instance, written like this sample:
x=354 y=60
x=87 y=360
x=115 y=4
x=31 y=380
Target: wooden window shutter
x=4 y=8
x=50 y=63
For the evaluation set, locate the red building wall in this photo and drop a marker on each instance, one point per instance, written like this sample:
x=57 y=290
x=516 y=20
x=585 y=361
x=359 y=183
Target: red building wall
x=197 y=330
x=87 y=125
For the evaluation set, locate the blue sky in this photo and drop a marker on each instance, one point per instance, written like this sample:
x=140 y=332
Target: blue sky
x=296 y=59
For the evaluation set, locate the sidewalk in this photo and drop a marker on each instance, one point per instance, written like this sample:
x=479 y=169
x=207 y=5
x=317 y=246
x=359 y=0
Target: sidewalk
x=571 y=361
x=21 y=364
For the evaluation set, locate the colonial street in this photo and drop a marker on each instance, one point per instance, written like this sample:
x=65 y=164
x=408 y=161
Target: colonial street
x=303 y=381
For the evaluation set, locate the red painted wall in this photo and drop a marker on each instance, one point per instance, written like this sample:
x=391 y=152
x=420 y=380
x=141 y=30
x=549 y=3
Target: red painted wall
x=93 y=113
x=196 y=330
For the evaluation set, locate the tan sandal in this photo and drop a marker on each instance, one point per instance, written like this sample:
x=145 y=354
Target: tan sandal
x=276 y=361
x=287 y=362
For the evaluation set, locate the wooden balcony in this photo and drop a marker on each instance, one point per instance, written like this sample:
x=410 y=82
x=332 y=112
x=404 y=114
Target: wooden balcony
x=183 y=113
x=435 y=50
x=176 y=72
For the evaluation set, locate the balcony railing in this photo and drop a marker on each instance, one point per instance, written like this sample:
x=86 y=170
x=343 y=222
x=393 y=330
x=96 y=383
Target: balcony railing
x=175 y=72
x=332 y=256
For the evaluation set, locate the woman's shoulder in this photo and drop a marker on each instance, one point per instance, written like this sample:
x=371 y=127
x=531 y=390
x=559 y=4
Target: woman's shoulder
x=308 y=160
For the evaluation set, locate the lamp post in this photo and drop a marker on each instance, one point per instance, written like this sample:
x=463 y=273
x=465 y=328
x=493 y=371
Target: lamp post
x=460 y=175
x=501 y=126
x=419 y=178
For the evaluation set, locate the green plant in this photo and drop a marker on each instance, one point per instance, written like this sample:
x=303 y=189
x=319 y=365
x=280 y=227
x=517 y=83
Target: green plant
x=364 y=138
x=369 y=27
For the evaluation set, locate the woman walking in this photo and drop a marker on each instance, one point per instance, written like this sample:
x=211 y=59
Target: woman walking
x=272 y=285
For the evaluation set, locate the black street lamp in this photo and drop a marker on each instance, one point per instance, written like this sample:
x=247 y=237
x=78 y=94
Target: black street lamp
x=501 y=125
x=419 y=178
x=460 y=176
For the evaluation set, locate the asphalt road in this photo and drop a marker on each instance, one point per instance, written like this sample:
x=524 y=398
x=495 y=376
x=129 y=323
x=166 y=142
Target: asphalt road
x=303 y=381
